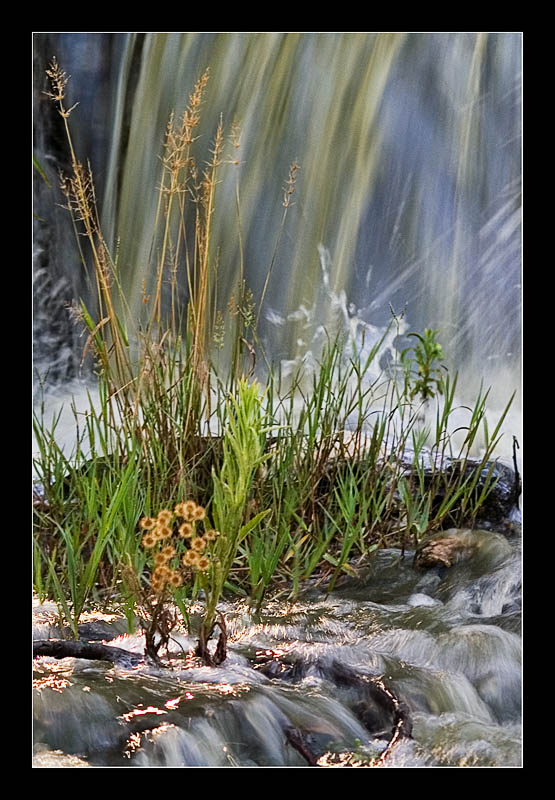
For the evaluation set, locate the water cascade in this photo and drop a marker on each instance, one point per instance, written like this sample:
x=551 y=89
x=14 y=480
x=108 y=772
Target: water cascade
x=409 y=149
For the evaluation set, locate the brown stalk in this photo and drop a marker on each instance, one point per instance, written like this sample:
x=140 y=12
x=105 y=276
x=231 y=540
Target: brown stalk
x=80 y=193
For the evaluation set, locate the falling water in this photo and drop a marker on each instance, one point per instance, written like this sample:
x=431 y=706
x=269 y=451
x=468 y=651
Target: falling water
x=409 y=147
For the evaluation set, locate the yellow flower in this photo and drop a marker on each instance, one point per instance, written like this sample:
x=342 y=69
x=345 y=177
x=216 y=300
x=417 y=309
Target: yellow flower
x=168 y=552
x=203 y=563
x=157 y=586
x=165 y=516
x=175 y=579
x=211 y=536
x=186 y=530
x=189 y=508
x=190 y=558
x=146 y=523
x=199 y=513
x=161 y=573
x=198 y=544
x=162 y=531
x=148 y=540
x=160 y=559
x=180 y=510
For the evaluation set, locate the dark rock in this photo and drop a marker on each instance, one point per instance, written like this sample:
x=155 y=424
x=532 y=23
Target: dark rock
x=501 y=500
x=61 y=648
x=375 y=705
x=498 y=508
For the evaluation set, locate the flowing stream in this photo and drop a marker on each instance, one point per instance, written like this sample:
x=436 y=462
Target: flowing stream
x=444 y=641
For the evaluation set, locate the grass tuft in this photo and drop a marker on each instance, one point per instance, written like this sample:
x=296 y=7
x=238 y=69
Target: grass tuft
x=189 y=482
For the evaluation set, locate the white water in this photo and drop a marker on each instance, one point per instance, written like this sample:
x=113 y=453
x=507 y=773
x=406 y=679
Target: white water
x=70 y=403
x=454 y=661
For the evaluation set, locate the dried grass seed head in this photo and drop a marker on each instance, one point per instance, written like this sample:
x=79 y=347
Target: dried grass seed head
x=58 y=79
x=289 y=188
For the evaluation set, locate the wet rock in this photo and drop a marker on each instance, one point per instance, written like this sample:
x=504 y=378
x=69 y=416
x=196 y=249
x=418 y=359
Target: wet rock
x=484 y=549
x=60 y=648
x=430 y=581
x=445 y=549
x=371 y=701
x=102 y=630
x=378 y=708
x=504 y=496
x=95 y=626
x=499 y=510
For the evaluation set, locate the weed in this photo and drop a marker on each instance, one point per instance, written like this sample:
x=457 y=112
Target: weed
x=243 y=454
x=424 y=356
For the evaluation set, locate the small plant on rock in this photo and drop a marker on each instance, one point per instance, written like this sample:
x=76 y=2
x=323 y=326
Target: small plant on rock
x=426 y=357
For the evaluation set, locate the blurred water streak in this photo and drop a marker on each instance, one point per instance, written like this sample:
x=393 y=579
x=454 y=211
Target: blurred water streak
x=410 y=154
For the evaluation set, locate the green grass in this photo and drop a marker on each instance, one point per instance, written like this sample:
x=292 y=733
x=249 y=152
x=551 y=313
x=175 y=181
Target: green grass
x=304 y=478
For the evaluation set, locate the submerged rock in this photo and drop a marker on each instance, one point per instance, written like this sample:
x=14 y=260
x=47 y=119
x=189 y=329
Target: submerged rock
x=446 y=548
x=420 y=599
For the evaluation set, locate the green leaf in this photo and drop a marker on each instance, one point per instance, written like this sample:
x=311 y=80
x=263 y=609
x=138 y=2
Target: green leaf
x=252 y=523
x=40 y=170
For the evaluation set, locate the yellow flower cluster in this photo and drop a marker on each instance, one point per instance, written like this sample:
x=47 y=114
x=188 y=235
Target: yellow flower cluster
x=197 y=561
x=189 y=511
x=164 y=576
x=157 y=528
x=160 y=528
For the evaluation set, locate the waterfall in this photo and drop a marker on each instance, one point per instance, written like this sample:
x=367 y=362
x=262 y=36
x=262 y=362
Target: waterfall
x=410 y=157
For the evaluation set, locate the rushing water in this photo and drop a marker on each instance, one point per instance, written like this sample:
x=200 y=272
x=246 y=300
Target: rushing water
x=445 y=643
x=409 y=146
